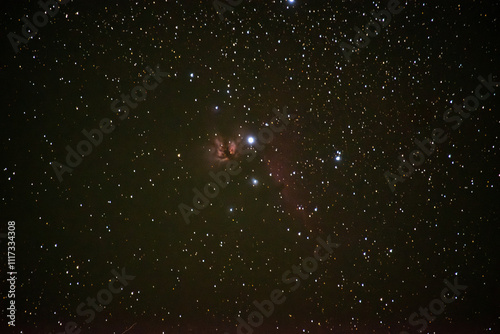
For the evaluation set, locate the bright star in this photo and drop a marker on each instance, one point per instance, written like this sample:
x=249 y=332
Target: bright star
x=251 y=140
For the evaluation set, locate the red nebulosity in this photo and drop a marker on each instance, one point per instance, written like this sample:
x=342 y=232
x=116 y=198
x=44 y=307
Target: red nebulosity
x=223 y=150
x=280 y=163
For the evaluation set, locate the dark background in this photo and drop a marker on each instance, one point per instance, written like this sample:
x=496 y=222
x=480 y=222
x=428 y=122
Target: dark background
x=119 y=208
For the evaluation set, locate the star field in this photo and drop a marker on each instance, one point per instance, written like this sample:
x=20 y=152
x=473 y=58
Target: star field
x=217 y=85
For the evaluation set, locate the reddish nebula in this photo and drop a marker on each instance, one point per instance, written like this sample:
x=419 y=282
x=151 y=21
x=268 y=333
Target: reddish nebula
x=294 y=190
x=223 y=149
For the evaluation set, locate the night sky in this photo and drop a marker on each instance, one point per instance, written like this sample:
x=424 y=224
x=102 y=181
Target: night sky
x=357 y=150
